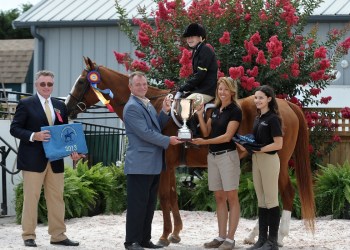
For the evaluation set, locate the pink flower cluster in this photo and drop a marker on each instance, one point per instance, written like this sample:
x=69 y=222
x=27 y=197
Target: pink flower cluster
x=345 y=112
x=169 y=84
x=325 y=100
x=156 y=62
x=139 y=66
x=139 y=54
x=225 y=39
x=275 y=48
x=315 y=91
x=186 y=63
x=289 y=14
x=123 y=58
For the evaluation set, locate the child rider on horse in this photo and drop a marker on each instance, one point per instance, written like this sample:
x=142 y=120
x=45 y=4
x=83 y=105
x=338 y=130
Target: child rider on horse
x=205 y=68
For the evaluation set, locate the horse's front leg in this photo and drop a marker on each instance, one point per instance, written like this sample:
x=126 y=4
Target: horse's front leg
x=164 y=200
x=175 y=236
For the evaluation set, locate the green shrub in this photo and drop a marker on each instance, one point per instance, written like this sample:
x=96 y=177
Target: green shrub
x=333 y=190
x=87 y=191
x=202 y=198
x=184 y=192
x=116 y=200
x=247 y=196
x=109 y=183
x=42 y=210
x=78 y=194
x=195 y=196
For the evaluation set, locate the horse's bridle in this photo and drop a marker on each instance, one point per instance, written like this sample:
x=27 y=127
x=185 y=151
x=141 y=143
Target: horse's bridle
x=82 y=106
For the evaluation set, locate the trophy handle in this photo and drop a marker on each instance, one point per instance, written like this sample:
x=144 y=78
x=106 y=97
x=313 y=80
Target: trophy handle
x=199 y=100
x=172 y=111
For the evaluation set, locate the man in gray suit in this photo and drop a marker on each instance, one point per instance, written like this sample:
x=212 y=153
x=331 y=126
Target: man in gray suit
x=144 y=161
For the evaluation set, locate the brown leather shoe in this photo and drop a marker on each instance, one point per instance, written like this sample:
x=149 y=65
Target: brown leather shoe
x=66 y=242
x=30 y=243
x=213 y=244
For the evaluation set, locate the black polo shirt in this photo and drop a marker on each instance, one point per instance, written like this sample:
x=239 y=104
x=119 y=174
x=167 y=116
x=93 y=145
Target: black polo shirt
x=219 y=123
x=266 y=127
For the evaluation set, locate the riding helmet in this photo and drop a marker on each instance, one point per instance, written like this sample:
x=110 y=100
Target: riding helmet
x=194 y=29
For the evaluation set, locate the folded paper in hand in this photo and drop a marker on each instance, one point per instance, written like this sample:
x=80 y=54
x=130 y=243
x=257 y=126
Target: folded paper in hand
x=65 y=139
x=248 y=142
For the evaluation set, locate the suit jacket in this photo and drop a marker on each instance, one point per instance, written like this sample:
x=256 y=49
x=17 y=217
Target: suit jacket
x=205 y=71
x=30 y=117
x=146 y=144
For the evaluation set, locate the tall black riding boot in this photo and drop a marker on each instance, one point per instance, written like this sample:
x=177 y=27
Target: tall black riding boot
x=274 y=223
x=263 y=226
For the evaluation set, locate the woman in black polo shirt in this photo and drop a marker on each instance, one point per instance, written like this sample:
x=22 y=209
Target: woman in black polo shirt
x=223 y=160
x=267 y=130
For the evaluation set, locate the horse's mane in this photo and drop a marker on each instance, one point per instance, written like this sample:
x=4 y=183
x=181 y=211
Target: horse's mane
x=150 y=87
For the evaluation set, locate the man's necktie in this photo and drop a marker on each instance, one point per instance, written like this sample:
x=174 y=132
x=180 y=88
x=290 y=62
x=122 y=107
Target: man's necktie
x=48 y=112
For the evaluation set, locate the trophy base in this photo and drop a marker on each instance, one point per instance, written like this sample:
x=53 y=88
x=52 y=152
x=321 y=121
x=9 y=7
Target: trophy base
x=184 y=135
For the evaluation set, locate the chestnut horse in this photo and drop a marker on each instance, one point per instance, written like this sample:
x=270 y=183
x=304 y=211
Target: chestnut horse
x=295 y=140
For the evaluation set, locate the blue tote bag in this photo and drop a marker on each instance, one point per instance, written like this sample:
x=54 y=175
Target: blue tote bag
x=65 y=139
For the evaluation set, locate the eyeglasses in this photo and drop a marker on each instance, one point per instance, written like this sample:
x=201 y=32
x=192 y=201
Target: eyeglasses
x=48 y=84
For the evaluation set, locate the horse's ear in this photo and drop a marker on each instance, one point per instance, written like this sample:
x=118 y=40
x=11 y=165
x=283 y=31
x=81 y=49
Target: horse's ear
x=86 y=60
x=90 y=64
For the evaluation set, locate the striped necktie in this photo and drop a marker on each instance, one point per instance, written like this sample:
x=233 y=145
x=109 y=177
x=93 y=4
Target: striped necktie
x=48 y=112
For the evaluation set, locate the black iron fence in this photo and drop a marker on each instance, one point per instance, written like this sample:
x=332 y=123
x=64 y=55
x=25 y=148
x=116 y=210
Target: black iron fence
x=105 y=144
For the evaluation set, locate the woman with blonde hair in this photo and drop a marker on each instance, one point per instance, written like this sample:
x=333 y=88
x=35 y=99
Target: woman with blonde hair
x=223 y=160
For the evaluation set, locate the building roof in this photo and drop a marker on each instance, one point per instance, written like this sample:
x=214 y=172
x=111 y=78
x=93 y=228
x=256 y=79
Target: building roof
x=15 y=57
x=79 y=12
x=103 y=12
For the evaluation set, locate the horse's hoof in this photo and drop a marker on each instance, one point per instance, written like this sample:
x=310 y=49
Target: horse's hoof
x=163 y=242
x=248 y=241
x=174 y=239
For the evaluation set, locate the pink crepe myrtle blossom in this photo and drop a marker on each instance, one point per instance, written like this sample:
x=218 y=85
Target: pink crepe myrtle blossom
x=140 y=65
x=325 y=100
x=345 y=112
x=315 y=91
x=321 y=52
x=225 y=39
x=260 y=59
x=120 y=57
x=139 y=54
x=236 y=72
x=169 y=84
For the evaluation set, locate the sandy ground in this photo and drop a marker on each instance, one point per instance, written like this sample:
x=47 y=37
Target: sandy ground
x=108 y=232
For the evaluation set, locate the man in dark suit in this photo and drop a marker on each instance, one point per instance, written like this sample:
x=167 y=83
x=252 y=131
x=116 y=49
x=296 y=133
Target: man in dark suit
x=31 y=114
x=144 y=161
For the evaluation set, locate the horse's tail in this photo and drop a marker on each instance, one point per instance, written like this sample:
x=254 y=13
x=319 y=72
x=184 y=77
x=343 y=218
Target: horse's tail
x=303 y=170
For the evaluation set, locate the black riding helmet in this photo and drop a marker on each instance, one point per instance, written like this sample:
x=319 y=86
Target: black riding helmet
x=195 y=29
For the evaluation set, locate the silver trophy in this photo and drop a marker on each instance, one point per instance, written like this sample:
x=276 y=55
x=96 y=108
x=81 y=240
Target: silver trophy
x=184 y=108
